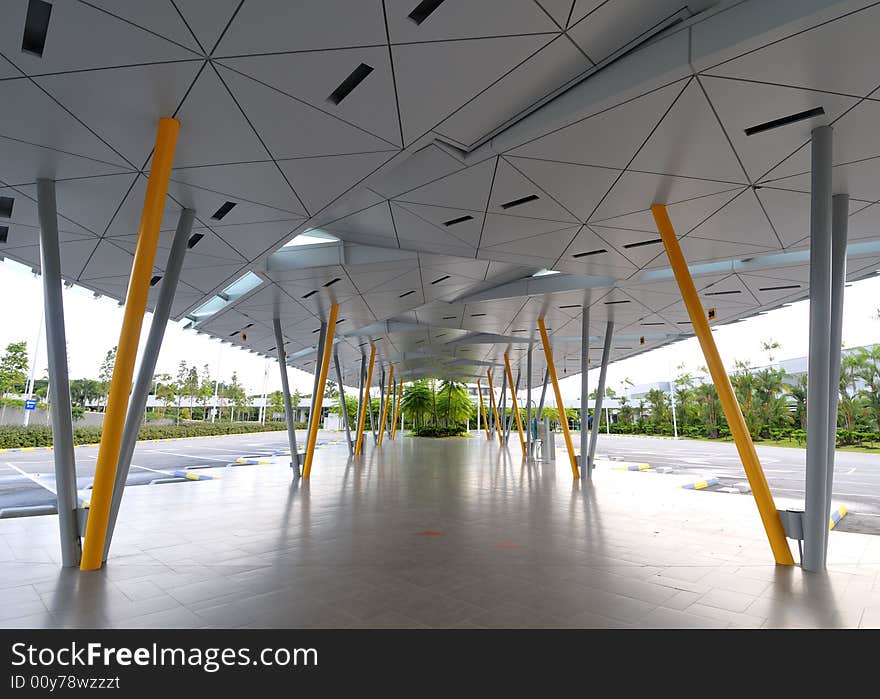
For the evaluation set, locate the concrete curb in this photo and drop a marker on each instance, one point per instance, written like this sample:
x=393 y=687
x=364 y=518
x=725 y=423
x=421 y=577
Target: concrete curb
x=836 y=516
x=634 y=467
x=699 y=485
x=192 y=476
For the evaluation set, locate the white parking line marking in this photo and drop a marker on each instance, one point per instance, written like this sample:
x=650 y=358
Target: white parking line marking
x=190 y=456
x=30 y=477
x=154 y=470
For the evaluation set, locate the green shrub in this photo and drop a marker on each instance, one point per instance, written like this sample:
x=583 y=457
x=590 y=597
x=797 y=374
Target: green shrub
x=432 y=431
x=17 y=436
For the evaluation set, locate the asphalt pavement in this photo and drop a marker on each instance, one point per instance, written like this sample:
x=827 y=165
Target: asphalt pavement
x=27 y=478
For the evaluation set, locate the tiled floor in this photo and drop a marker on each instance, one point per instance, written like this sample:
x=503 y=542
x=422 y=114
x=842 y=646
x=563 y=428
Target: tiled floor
x=433 y=533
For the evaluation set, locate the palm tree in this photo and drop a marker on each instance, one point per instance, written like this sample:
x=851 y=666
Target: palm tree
x=710 y=408
x=455 y=402
x=417 y=401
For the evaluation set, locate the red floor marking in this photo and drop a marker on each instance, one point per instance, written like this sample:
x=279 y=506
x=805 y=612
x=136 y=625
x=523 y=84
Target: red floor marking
x=430 y=533
x=508 y=545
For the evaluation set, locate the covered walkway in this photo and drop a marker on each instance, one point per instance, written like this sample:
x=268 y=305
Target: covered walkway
x=434 y=533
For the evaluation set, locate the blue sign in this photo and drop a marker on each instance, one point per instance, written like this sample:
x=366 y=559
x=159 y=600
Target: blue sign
x=30 y=404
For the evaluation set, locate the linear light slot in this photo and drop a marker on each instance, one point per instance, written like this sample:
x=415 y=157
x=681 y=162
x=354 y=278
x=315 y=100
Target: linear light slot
x=570 y=305
x=194 y=240
x=780 y=288
x=612 y=303
x=683 y=322
x=520 y=201
x=643 y=243
x=155 y=279
x=341 y=320
x=477 y=315
x=235 y=333
x=36 y=27
x=591 y=252
x=441 y=279
x=355 y=78
x=652 y=323
x=311 y=293
x=785 y=121
x=406 y=294
x=450 y=317
x=423 y=10
x=456 y=221
x=316 y=330
x=223 y=210
x=249 y=325
x=271 y=349
x=331 y=282
x=6 y=204
x=4 y=234
x=363 y=344
x=723 y=293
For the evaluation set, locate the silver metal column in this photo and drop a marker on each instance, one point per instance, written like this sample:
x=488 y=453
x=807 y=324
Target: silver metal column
x=56 y=345
x=342 y=404
x=285 y=391
x=819 y=368
x=362 y=377
x=529 y=402
x=508 y=426
x=839 y=233
x=585 y=387
x=502 y=407
x=600 y=394
x=138 y=401
x=319 y=358
x=543 y=394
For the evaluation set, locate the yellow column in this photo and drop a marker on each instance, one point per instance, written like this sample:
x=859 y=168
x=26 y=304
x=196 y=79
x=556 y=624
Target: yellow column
x=396 y=409
x=322 y=383
x=129 y=336
x=560 y=408
x=363 y=416
x=741 y=436
x=385 y=407
x=519 y=426
x=494 y=408
x=483 y=410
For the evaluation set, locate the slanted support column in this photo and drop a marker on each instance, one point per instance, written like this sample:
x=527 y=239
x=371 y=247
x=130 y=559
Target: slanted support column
x=543 y=395
x=514 y=407
x=726 y=396
x=483 y=410
x=138 y=400
x=839 y=234
x=342 y=404
x=383 y=420
x=494 y=407
x=585 y=389
x=819 y=360
x=322 y=384
x=600 y=395
x=358 y=445
x=560 y=406
x=502 y=427
x=396 y=408
x=322 y=336
x=129 y=336
x=56 y=345
x=529 y=402
x=289 y=417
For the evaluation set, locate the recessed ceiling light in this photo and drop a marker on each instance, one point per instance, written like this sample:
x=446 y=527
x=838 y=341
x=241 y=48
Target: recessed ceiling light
x=722 y=293
x=785 y=121
x=155 y=280
x=591 y=252
x=223 y=210
x=311 y=293
x=331 y=282
x=355 y=78
x=546 y=272
x=36 y=27
x=4 y=234
x=456 y=221
x=423 y=10
x=441 y=279
x=519 y=202
x=780 y=288
x=612 y=303
x=6 y=204
x=406 y=294
x=642 y=243
x=194 y=240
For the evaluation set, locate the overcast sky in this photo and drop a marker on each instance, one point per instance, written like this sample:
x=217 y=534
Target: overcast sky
x=93 y=328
